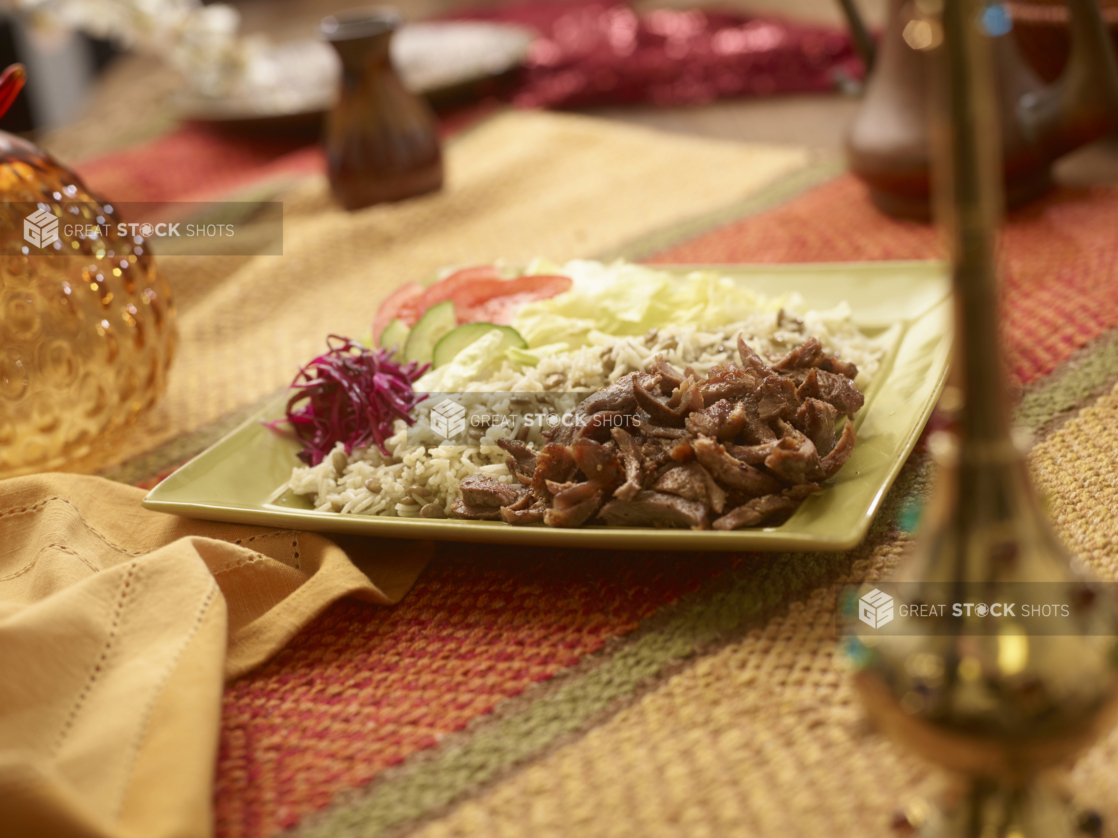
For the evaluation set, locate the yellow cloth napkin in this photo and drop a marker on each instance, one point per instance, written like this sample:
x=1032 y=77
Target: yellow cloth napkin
x=118 y=628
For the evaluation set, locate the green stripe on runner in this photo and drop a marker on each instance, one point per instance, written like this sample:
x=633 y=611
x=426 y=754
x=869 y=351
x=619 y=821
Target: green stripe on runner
x=1066 y=389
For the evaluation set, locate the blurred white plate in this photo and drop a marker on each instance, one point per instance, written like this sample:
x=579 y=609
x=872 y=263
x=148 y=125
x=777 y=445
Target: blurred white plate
x=298 y=80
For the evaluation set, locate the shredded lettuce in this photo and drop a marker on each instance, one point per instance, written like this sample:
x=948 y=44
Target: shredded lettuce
x=623 y=299
x=532 y=357
x=468 y=365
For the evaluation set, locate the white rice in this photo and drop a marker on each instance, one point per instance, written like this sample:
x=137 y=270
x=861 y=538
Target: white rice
x=420 y=470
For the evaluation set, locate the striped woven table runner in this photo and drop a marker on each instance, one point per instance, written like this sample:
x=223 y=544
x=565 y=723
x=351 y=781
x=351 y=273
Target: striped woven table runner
x=588 y=693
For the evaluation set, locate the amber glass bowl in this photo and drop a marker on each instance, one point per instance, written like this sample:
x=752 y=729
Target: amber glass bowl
x=87 y=325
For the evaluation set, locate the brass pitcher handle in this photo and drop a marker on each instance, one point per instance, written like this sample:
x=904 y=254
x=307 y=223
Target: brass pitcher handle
x=1090 y=81
x=863 y=43
x=1083 y=103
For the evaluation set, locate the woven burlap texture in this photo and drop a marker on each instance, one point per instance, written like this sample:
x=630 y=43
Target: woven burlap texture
x=519 y=186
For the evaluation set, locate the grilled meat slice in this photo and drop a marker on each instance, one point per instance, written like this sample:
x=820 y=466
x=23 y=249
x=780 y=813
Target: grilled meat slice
x=693 y=482
x=843 y=368
x=816 y=419
x=754 y=455
x=709 y=420
x=728 y=381
x=521 y=460
x=616 y=397
x=578 y=513
x=794 y=459
x=670 y=377
x=673 y=412
x=751 y=360
x=599 y=463
x=663 y=433
x=754 y=430
x=838 y=455
x=564 y=432
x=482 y=490
x=756 y=511
x=741 y=416
x=554 y=463
x=521 y=517
x=472 y=512
x=682 y=451
x=656 y=451
x=597 y=426
x=807 y=354
x=801 y=491
x=655 y=509
x=725 y=420
x=630 y=455
x=526 y=510
x=733 y=474
x=570 y=495
x=778 y=399
x=837 y=390
x=811 y=354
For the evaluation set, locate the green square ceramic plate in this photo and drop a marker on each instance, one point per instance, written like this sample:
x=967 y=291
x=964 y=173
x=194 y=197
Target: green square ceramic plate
x=235 y=479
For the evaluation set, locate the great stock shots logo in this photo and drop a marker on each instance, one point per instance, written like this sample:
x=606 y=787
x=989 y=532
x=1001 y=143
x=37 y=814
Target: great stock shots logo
x=875 y=609
x=448 y=418
x=40 y=228
x=85 y=229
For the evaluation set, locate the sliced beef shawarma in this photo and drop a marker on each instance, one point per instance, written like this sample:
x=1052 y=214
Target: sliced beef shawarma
x=655 y=509
x=630 y=455
x=837 y=390
x=816 y=420
x=577 y=514
x=521 y=461
x=693 y=482
x=839 y=454
x=733 y=473
x=482 y=490
x=755 y=512
x=740 y=447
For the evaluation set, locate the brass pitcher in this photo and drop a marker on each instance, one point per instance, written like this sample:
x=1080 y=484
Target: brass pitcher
x=381 y=140
x=888 y=143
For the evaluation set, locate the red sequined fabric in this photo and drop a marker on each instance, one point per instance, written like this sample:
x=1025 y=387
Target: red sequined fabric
x=602 y=53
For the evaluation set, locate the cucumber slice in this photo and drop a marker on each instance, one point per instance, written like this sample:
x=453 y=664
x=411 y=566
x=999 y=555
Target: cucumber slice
x=395 y=334
x=458 y=339
x=435 y=322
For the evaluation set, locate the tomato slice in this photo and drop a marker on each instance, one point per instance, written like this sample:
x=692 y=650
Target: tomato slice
x=462 y=287
x=479 y=295
x=390 y=309
x=516 y=293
